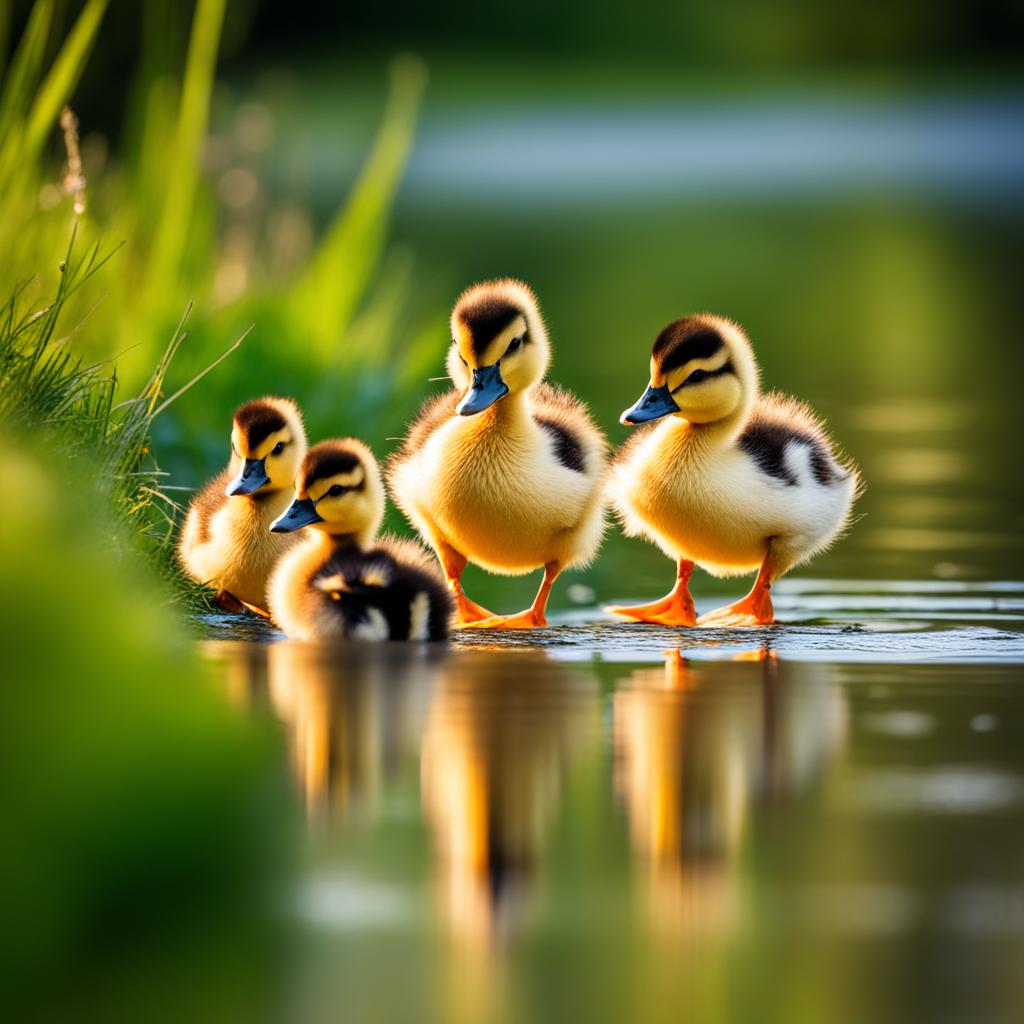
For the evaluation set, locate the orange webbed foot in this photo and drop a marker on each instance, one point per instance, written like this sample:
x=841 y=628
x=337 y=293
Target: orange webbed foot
x=753 y=610
x=468 y=612
x=674 y=610
x=522 y=620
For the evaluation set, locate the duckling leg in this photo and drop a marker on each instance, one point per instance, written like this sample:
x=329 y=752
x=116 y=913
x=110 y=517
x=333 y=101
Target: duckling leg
x=454 y=564
x=229 y=602
x=753 y=610
x=534 y=615
x=675 y=609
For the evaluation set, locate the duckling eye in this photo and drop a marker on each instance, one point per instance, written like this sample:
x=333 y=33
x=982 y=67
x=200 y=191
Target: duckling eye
x=278 y=448
x=513 y=345
x=696 y=377
x=335 y=490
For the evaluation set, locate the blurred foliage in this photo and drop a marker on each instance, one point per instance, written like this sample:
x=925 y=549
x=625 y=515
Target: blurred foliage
x=196 y=225
x=138 y=864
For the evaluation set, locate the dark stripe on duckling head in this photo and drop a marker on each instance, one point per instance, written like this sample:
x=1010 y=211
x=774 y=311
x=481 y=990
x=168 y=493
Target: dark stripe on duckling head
x=766 y=444
x=683 y=340
x=698 y=376
x=257 y=420
x=328 y=464
x=568 y=449
x=486 y=317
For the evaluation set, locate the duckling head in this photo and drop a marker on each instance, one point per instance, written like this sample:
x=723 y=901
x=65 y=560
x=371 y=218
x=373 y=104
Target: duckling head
x=499 y=344
x=338 y=490
x=702 y=370
x=267 y=444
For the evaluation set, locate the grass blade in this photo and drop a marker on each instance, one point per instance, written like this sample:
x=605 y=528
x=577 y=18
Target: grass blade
x=183 y=173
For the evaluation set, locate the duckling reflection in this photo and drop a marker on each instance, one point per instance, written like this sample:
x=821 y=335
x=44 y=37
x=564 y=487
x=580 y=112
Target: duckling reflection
x=351 y=722
x=502 y=731
x=700 y=749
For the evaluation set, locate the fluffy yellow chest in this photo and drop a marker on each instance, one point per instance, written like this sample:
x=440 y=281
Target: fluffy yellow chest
x=702 y=501
x=494 y=486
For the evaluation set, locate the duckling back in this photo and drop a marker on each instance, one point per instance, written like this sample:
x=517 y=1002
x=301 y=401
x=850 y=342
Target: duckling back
x=390 y=592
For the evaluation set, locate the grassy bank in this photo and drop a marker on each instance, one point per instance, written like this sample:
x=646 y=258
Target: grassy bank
x=105 y=246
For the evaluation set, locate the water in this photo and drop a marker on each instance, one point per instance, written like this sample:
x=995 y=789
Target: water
x=623 y=822
x=823 y=820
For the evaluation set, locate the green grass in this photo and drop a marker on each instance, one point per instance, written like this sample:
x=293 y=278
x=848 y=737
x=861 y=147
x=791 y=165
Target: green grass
x=56 y=402
x=147 y=235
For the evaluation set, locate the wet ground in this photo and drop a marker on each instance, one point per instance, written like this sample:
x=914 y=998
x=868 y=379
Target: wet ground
x=621 y=822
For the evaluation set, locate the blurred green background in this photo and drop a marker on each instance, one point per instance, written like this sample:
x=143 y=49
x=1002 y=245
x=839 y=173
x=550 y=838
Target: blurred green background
x=846 y=180
x=847 y=183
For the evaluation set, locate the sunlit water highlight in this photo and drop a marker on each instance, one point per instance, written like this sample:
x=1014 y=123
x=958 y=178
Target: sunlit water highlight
x=539 y=826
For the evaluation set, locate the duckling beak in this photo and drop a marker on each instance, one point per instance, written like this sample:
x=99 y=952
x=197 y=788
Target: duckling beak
x=651 y=405
x=252 y=477
x=301 y=512
x=486 y=389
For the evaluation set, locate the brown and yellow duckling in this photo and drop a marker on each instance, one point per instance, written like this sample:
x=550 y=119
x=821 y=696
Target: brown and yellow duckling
x=504 y=471
x=729 y=479
x=339 y=582
x=226 y=541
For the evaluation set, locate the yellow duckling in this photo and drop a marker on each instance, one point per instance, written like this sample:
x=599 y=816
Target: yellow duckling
x=339 y=583
x=728 y=479
x=503 y=470
x=226 y=541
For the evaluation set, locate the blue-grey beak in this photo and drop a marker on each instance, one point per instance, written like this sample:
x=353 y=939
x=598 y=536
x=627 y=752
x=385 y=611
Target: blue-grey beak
x=252 y=477
x=301 y=512
x=652 y=405
x=486 y=389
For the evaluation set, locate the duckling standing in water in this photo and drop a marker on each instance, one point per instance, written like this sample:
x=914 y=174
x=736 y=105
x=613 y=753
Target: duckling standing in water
x=728 y=479
x=503 y=470
x=339 y=583
x=226 y=541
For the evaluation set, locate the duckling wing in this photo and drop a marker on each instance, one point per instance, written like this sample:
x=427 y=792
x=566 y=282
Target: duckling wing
x=578 y=443
x=206 y=501
x=777 y=421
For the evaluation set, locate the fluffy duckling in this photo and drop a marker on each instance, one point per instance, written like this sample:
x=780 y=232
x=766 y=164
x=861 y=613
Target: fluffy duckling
x=728 y=479
x=338 y=583
x=226 y=541
x=503 y=470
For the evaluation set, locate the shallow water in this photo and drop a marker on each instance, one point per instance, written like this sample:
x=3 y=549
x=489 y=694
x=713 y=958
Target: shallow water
x=820 y=821
x=622 y=822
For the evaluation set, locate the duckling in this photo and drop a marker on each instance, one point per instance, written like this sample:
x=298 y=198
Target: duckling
x=728 y=479
x=339 y=583
x=225 y=542
x=503 y=470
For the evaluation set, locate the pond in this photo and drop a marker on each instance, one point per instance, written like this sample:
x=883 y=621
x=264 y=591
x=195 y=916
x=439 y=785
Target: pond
x=618 y=822
x=622 y=822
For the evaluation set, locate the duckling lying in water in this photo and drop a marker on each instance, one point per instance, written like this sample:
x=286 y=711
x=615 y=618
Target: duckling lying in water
x=727 y=479
x=503 y=470
x=226 y=542
x=339 y=583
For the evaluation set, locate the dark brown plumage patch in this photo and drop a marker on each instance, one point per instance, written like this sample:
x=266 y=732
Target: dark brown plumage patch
x=766 y=444
x=683 y=340
x=486 y=317
x=393 y=600
x=568 y=449
x=326 y=464
x=257 y=420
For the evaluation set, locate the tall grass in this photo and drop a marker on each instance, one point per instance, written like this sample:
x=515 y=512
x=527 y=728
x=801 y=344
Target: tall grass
x=332 y=328
x=57 y=402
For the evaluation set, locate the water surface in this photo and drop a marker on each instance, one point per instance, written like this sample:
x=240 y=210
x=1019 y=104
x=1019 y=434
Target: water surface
x=621 y=822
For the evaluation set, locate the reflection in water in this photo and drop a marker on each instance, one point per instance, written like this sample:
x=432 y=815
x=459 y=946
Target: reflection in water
x=351 y=720
x=700 y=747
x=501 y=732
